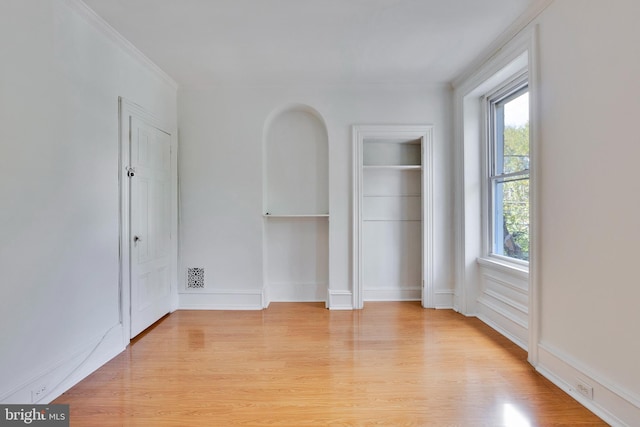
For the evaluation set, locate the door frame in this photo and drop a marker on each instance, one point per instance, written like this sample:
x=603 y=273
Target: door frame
x=126 y=110
x=410 y=132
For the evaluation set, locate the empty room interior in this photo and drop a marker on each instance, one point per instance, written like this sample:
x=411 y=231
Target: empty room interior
x=338 y=212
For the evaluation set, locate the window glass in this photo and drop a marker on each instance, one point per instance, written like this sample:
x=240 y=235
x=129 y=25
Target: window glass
x=516 y=134
x=512 y=219
x=509 y=176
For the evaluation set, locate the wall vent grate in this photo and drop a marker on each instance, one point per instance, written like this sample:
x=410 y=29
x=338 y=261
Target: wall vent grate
x=195 y=278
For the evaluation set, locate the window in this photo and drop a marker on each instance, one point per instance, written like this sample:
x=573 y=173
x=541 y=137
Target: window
x=508 y=167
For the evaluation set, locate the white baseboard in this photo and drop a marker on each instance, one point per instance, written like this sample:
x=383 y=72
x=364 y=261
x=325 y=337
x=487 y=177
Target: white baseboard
x=297 y=292
x=503 y=321
x=222 y=299
x=60 y=376
x=610 y=402
x=443 y=299
x=393 y=294
x=339 y=300
x=233 y=299
x=494 y=325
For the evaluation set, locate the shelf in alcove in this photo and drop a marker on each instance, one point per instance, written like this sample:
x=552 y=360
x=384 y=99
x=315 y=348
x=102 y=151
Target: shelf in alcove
x=391 y=167
x=391 y=220
x=296 y=215
x=392 y=195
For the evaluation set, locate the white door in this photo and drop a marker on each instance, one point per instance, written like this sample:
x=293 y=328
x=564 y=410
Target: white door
x=150 y=244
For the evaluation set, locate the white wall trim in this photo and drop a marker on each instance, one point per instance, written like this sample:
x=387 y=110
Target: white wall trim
x=265 y=289
x=221 y=299
x=497 y=46
x=485 y=318
x=518 y=52
x=339 y=299
x=459 y=208
x=610 y=402
x=501 y=311
x=443 y=299
x=297 y=292
x=511 y=337
x=393 y=294
x=511 y=285
x=521 y=272
x=425 y=134
x=534 y=194
x=509 y=302
x=91 y=17
x=428 y=287
x=66 y=372
x=126 y=110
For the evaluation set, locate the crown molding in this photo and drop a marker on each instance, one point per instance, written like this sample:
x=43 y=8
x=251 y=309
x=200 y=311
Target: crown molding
x=507 y=35
x=95 y=20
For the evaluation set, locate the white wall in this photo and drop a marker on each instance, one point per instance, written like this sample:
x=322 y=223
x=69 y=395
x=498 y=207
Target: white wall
x=221 y=137
x=584 y=279
x=590 y=191
x=59 y=85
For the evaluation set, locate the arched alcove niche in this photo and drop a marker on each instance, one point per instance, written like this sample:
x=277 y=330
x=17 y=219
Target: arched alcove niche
x=296 y=206
x=296 y=163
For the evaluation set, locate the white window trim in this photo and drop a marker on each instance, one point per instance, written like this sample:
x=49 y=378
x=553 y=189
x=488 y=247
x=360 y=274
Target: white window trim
x=513 y=83
x=510 y=268
x=518 y=50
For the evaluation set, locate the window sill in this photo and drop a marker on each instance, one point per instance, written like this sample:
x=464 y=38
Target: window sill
x=521 y=271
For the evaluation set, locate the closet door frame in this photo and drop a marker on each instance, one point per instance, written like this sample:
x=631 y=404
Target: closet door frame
x=424 y=133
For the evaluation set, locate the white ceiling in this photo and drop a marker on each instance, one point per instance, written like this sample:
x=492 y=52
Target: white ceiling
x=222 y=42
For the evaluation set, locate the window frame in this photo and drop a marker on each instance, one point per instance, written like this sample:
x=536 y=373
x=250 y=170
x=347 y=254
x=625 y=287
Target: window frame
x=509 y=89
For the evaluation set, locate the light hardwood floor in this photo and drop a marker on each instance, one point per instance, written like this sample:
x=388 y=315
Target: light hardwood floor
x=298 y=364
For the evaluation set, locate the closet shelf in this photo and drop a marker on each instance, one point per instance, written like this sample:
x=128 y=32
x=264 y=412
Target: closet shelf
x=392 y=167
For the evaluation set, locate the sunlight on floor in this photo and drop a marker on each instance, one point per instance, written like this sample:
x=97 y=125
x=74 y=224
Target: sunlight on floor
x=513 y=417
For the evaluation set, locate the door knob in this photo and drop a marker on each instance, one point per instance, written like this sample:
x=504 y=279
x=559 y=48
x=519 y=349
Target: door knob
x=137 y=239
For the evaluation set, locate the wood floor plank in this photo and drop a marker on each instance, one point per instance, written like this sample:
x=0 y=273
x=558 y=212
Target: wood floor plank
x=298 y=364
